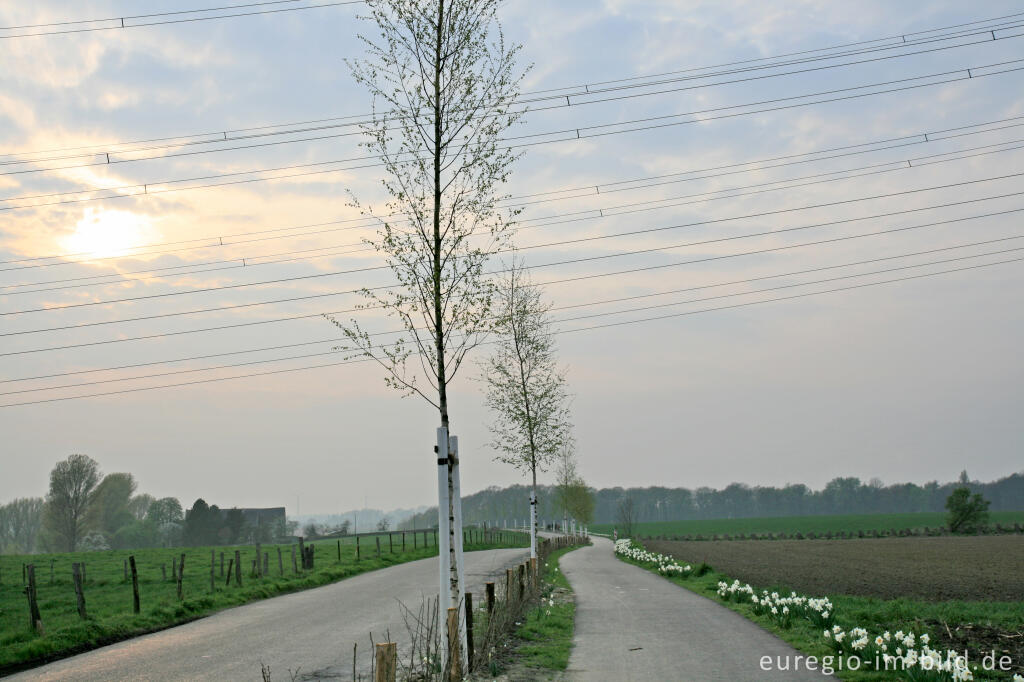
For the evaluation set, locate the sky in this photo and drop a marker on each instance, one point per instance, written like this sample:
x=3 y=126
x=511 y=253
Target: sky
x=911 y=169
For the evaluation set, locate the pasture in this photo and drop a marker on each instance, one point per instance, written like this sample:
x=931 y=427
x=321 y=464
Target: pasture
x=205 y=586
x=801 y=524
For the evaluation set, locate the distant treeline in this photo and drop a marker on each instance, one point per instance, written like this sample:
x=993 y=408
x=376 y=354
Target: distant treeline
x=840 y=496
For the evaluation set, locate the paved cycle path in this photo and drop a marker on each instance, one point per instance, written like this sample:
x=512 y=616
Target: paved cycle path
x=312 y=631
x=634 y=625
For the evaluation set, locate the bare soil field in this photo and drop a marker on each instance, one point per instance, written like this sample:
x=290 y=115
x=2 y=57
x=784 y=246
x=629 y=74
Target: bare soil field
x=976 y=568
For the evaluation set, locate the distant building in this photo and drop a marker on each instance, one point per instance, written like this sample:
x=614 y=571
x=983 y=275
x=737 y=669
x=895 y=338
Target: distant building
x=258 y=518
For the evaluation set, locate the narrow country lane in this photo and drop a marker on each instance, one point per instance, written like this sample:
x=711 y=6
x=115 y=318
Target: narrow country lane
x=313 y=630
x=634 y=625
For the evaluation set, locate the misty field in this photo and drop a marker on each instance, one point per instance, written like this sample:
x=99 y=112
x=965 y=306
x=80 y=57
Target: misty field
x=109 y=601
x=802 y=524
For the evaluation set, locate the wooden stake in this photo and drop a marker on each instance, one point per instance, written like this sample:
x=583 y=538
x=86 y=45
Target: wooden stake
x=238 y=568
x=231 y=564
x=35 y=620
x=259 y=563
x=76 y=576
x=181 y=573
x=509 y=582
x=377 y=538
x=135 y=583
x=295 y=566
x=489 y=591
x=213 y=569
x=280 y=562
x=339 y=551
x=469 y=630
x=454 y=655
x=387 y=662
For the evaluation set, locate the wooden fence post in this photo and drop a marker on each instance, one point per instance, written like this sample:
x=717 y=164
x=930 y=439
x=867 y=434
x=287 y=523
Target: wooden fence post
x=238 y=568
x=522 y=569
x=266 y=564
x=302 y=551
x=174 y=569
x=469 y=631
x=357 y=548
x=454 y=655
x=135 y=583
x=509 y=582
x=387 y=662
x=489 y=590
x=415 y=541
x=339 y=551
x=163 y=570
x=391 y=544
x=295 y=566
x=259 y=561
x=213 y=569
x=35 y=620
x=231 y=564
x=181 y=573
x=280 y=561
x=377 y=538
x=222 y=564
x=403 y=540
x=76 y=576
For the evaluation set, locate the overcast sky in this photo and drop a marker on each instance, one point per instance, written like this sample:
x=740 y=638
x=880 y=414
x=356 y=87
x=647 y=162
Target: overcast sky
x=906 y=381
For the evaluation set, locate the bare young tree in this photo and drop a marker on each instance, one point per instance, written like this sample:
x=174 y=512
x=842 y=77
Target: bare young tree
x=443 y=81
x=71 y=486
x=525 y=386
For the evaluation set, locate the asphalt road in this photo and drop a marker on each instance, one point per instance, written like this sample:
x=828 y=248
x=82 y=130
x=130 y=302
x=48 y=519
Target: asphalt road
x=312 y=631
x=634 y=625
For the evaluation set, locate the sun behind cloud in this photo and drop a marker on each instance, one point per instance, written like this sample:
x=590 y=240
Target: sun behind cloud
x=103 y=233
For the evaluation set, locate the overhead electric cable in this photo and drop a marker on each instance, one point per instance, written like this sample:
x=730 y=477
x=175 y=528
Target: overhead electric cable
x=606 y=212
x=561 y=331
x=760 y=214
x=109 y=158
x=611 y=186
x=592 y=131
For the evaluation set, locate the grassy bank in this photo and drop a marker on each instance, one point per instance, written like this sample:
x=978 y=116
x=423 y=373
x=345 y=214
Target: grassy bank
x=546 y=633
x=802 y=524
x=108 y=596
x=978 y=626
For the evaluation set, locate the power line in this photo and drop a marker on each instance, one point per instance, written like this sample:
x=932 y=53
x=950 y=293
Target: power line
x=321 y=275
x=563 y=307
x=579 y=90
x=604 y=302
x=570 y=134
x=533 y=267
x=607 y=212
x=106 y=158
x=159 y=19
x=563 y=331
x=216 y=241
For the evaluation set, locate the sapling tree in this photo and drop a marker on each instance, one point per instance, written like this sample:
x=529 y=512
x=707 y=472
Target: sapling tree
x=526 y=388
x=443 y=83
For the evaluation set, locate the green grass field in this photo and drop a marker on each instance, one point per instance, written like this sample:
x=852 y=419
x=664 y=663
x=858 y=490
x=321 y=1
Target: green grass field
x=108 y=596
x=802 y=524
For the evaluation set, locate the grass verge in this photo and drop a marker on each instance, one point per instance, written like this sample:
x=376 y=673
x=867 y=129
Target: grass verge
x=540 y=645
x=976 y=626
x=108 y=595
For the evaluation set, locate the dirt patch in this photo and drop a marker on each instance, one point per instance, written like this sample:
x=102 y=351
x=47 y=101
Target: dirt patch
x=983 y=568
